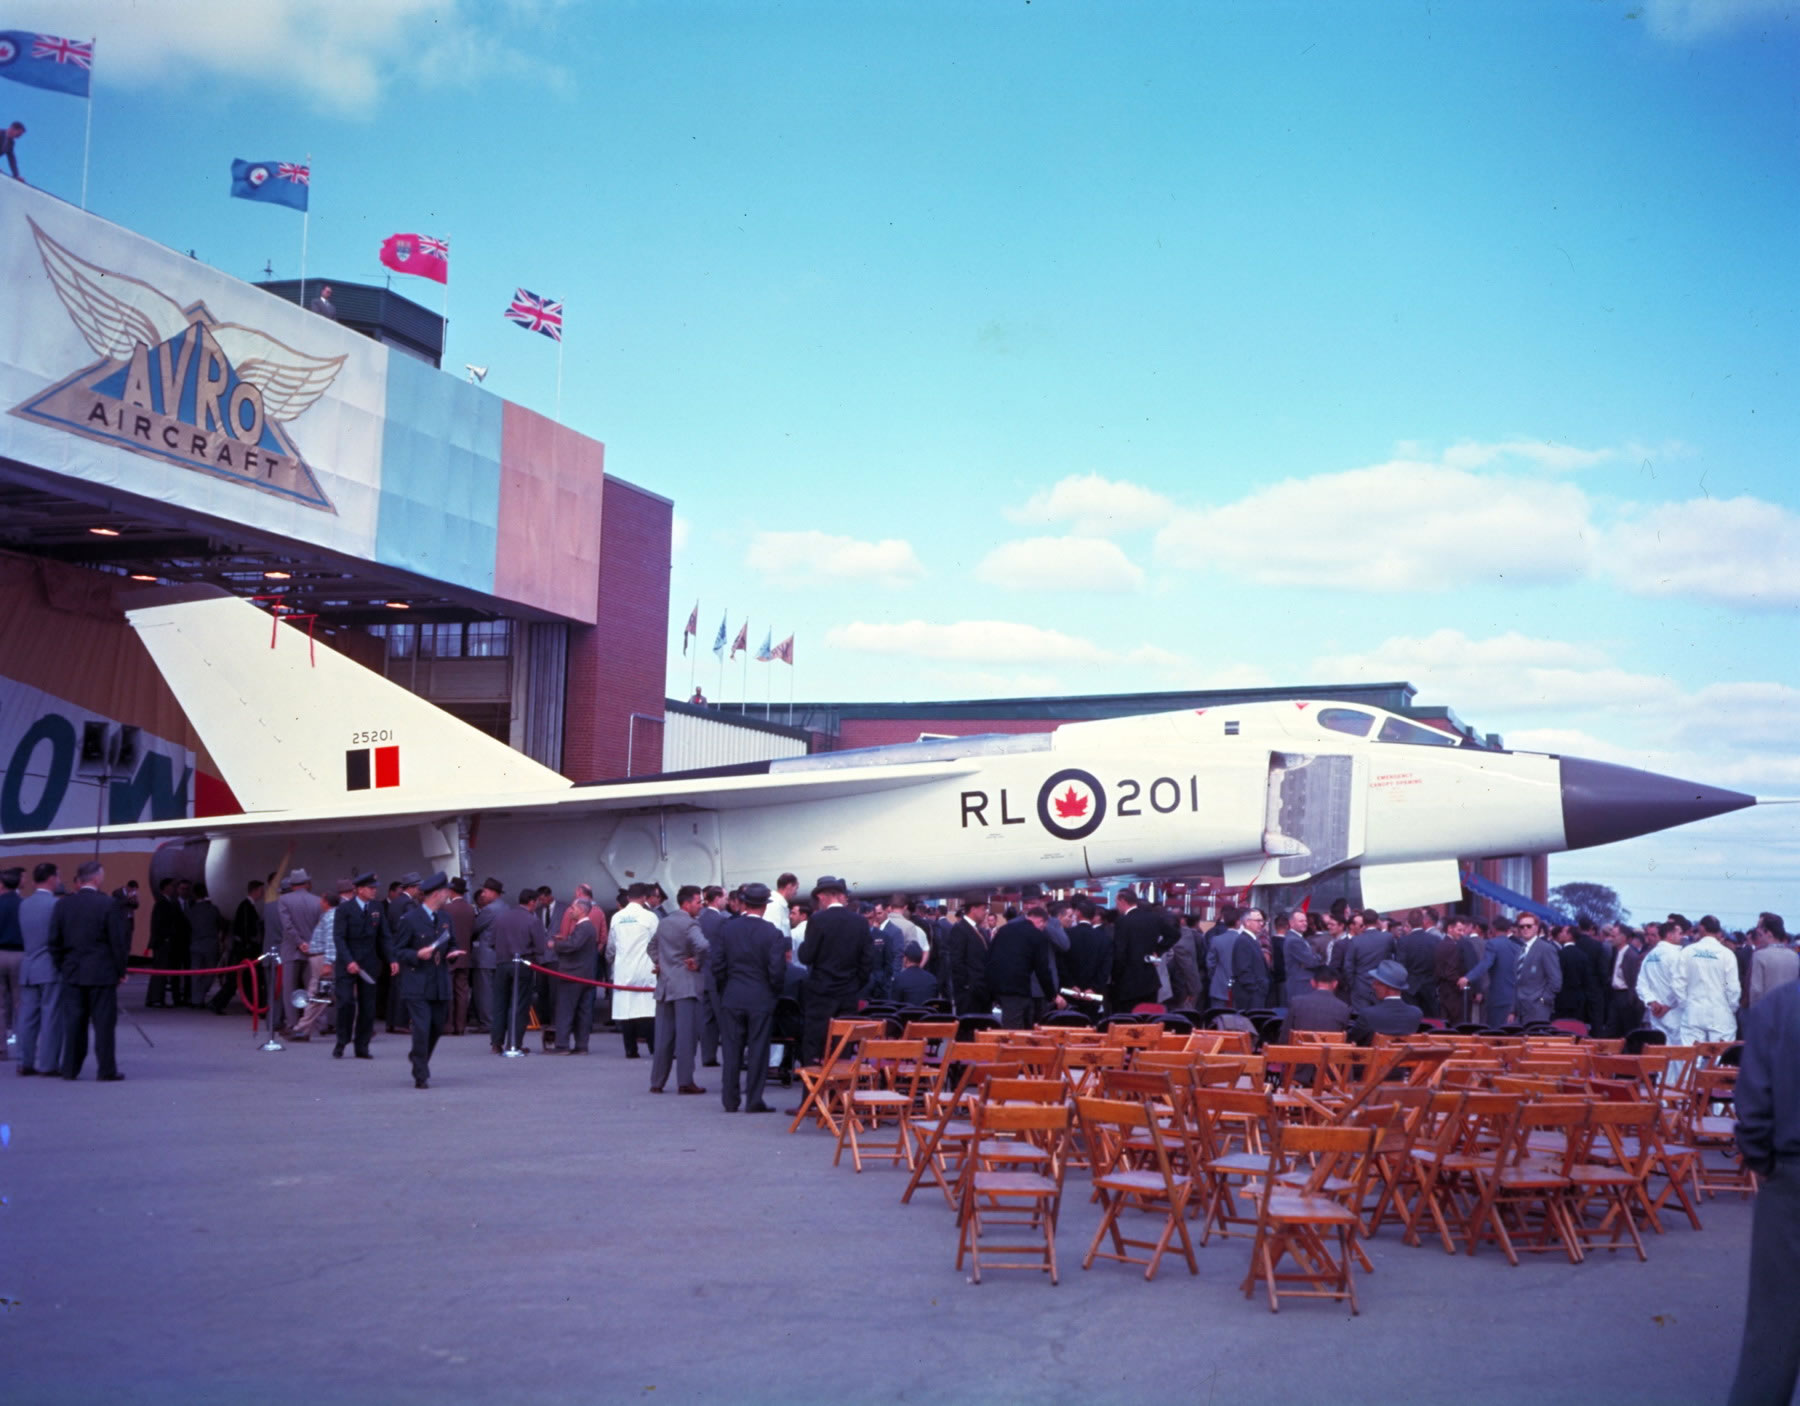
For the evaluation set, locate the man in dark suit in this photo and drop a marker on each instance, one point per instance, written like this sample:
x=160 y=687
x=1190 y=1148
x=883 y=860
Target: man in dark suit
x=170 y=939
x=749 y=964
x=1018 y=952
x=90 y=942
x=1089 y=963
x=1368 y=949
x=960 y=961
x=424 y=973
x=364 y=949
x=1250 y=975
x=1418 y=950
x=914 y=986
x=838 y=954
x=461 y=915
x=1453 y=959
x=1600 y=958
x=1388 y=1013
x=1186 y=990
x=1317 y=1007
x=1300 y=959
x=1538 y=971
x=516 y=934
x=1579 y=996
x=1500 y=965
x=1137 y=937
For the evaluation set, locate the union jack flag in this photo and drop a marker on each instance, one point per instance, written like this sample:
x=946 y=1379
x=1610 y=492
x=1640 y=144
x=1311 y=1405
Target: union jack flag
x=48 y=46
x=429 y=246
x=300 y=175
x=536 y=314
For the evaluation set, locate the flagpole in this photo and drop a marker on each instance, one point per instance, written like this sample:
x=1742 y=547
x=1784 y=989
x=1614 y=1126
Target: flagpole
x=558 y=415
x=87 y=140
x=790 y=693
x=305 y=220
x=769 y=695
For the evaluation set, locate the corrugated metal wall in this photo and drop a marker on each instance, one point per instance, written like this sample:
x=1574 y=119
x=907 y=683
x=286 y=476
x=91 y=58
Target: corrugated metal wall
x=690 y=742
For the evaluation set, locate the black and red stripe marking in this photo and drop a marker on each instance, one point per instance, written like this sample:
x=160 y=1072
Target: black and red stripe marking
x=359 y=774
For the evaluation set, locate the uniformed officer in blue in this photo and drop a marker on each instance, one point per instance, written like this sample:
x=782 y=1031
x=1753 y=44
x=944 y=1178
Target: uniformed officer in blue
x=421 y=943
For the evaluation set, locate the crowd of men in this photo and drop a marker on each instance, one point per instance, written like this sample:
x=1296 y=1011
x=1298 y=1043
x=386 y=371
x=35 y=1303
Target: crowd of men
x=710 y=978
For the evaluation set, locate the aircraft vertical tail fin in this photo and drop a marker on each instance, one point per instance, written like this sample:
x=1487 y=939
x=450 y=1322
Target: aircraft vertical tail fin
x=293 y=723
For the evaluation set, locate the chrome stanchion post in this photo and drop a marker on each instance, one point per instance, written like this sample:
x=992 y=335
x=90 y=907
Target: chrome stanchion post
x=273 y=958
x=513 y=1049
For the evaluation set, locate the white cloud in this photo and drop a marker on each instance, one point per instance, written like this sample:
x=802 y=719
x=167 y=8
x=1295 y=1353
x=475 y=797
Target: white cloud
x=1547 y=454
x=1739 y=551
x=796 y=558
x=679 y=531
x=1512 y=672
x=1683 y=21
x=1095 y=506
x=986 y=641
x=340 y=53
x=1061 y=564
x=1405 y=525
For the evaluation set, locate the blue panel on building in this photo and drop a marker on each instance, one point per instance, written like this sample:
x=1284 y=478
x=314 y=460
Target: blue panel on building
x=440 y=476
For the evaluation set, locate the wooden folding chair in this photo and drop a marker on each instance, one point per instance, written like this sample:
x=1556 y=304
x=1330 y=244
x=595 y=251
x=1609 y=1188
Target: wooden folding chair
x=1713 y=1128
x=1231 y=1128
x=1536 y=1178
x=1132 y=1171
x=996 y=1194
x=1298 y=1223
x=886 y=1086
x=1623 y=1134
x=826 y=1082
x=942 y=1153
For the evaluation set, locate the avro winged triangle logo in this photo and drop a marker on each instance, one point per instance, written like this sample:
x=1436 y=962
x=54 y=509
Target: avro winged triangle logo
x=177 y=385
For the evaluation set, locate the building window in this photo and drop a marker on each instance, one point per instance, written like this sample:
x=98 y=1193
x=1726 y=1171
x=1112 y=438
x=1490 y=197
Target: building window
x=440 y=641
x=488 y=639
x=399 y=639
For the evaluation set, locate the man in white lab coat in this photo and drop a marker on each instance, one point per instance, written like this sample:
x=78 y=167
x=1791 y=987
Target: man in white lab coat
x=1660 y=982
x=1710 y=991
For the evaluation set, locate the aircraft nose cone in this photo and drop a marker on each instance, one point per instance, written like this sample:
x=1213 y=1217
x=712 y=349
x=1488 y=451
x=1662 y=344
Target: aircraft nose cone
x=1602 y=802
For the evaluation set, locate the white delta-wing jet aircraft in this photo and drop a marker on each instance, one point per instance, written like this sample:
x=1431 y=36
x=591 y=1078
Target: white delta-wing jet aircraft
x=341 y=770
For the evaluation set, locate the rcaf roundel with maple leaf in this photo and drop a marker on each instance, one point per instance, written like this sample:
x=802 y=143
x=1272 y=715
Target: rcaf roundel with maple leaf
x=1071 y=804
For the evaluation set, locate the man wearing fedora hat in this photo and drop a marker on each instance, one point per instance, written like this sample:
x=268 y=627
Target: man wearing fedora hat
x=838 y=954
x=296 y=914
x=1388 y=1014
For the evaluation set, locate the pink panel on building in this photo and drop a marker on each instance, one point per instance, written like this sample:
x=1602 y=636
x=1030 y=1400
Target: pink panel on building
x=552 y=483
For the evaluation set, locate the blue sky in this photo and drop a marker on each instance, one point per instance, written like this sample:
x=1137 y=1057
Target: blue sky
x=1018 y=348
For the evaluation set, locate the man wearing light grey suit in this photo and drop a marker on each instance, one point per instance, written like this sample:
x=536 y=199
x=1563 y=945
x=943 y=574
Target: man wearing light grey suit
x=678 y=950
x=40 y=985
x=1539 y=970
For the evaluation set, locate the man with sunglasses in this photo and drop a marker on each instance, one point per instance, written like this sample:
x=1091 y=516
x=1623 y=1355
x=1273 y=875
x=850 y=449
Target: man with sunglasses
x=1539 y=972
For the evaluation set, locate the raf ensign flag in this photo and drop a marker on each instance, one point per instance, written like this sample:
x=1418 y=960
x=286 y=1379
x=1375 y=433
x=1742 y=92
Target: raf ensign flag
x=417 y=254
x=45 y=61
x=536 y=314
x=273 y=182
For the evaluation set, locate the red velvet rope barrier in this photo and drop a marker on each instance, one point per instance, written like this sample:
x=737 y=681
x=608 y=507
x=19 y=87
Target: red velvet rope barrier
x=256 y=1006
x=586 y=981
x=186 y=971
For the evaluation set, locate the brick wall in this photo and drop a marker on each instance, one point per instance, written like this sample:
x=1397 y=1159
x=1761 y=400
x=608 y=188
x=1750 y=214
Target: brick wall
x=617 y=667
